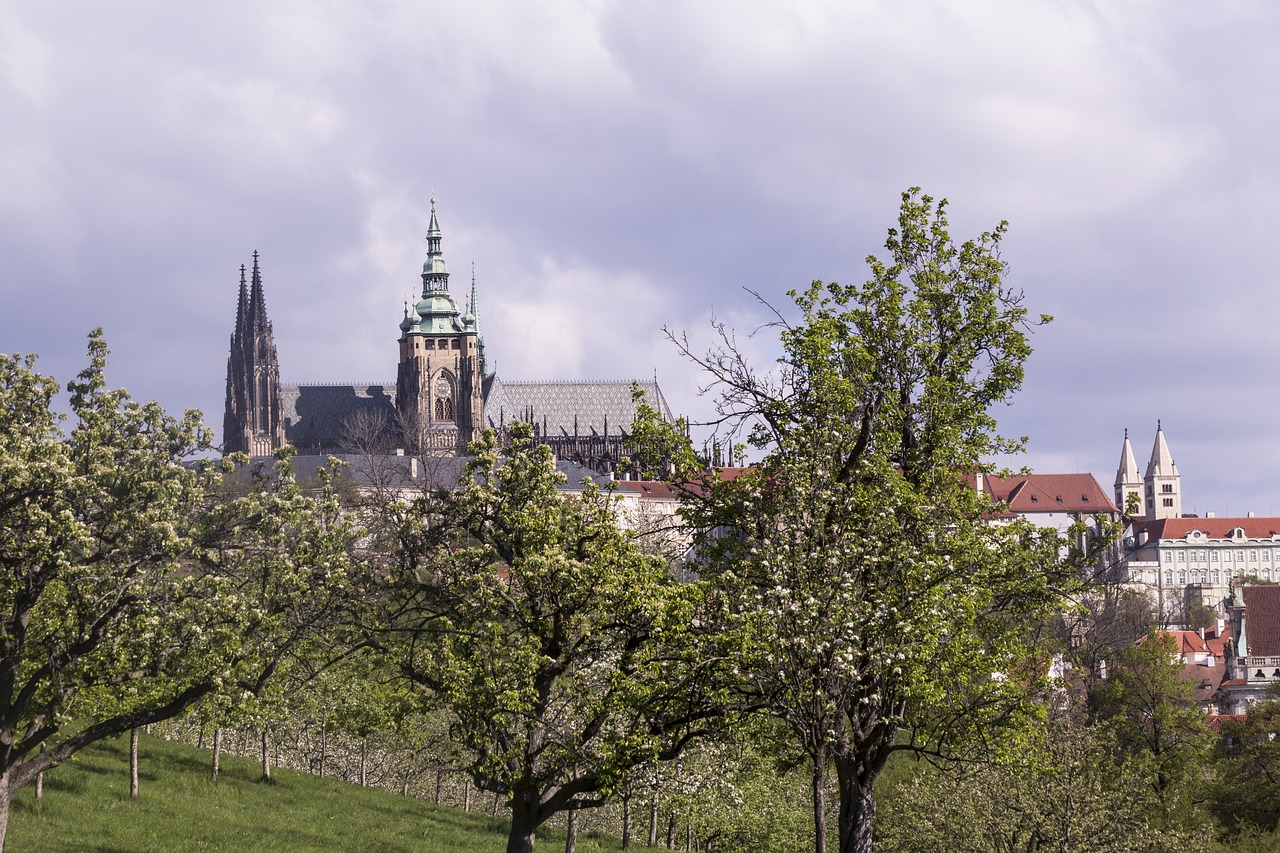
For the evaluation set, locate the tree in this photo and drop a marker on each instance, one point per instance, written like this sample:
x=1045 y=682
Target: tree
x=1150 y=706
x=879 y=606
x=1248 y=791
x=132 y=586
x=562 y=653
x=1072 y=793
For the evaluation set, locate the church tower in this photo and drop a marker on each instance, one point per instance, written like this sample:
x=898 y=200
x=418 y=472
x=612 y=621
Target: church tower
x=1162 y=483
x=252 y=421
x=1128 y=481
x=438 y=385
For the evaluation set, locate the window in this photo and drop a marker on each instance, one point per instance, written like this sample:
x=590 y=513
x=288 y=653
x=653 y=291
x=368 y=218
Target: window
x=1168 y=578
x=1253 y=556
x=1168 y=557
x=1182 y=556
x=444 y=399
x=1166 y=489
x=1213 y=556
x=1168 y=501
x=1182 y=578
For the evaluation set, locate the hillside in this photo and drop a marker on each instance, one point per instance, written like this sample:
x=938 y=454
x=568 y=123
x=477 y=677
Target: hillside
x=87 y=807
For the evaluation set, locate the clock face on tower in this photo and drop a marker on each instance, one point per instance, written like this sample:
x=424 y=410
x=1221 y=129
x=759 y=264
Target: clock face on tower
x=443 y=391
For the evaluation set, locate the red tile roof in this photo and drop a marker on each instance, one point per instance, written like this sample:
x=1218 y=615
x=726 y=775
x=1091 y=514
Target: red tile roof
x=1262 y=619
x=1215 y=528
x=1205 y=679
x=1031 y=493
x=1215 y=721
x=660 y=489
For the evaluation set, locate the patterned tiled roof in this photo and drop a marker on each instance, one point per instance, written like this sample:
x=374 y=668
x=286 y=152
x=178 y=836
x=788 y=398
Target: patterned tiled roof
x=1262 y=620
x=569 y=408
x=314 y=414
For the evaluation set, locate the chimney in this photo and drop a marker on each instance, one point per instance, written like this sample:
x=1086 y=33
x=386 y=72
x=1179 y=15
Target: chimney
x=1248 y=515
x=1210 y=515
x=977 y=481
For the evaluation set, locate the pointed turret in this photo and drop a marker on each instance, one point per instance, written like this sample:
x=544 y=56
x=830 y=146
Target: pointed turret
x=435 y=276
x=242 y=306
x=1162 y=483
x=1128 y=480
x=474 y=311
x=257 y=301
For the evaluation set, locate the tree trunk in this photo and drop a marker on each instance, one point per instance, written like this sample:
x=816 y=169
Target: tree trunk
x=4 y=807
x=524 y=826
x=671 y=830
x=364 y=762
x=266 y=754
x=571 y=832
x=819 y=805
x=857 y=810
x=439 y=784
x=626 y=822
x=653 y=820
x=323 y=746
x=40 y=787
x=217 y=752
x=688 y=837
x=466 y=796
x=493 y=812
x=133 y=763
x=404 y=789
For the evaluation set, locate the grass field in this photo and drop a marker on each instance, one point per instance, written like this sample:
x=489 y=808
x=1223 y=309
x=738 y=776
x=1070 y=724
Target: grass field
x=87 y=807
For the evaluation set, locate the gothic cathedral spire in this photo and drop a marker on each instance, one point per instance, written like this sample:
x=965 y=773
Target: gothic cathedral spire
x=252 y=421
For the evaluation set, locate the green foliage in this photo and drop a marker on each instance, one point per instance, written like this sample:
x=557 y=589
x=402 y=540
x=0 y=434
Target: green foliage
x=1074 y=793
x=869 y=590
x=1151 y=711
x=1247 y=794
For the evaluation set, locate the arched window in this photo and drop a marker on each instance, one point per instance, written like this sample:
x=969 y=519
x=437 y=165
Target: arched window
x=443 y=394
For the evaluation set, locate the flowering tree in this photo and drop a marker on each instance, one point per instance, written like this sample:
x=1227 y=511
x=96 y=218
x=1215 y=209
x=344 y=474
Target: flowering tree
x=131 y=584
x=562 y=654
x=880 y=608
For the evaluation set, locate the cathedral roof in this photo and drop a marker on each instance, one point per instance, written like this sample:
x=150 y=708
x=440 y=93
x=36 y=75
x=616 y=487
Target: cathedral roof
x=569 y=408
x=315 y=414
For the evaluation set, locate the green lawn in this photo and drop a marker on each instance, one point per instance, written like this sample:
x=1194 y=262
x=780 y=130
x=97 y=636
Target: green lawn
x=87 y=808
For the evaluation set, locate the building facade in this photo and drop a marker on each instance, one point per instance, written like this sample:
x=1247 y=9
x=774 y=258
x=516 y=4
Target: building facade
x=443 y=396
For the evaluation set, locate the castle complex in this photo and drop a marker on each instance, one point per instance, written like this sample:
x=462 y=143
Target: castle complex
x=442 y=399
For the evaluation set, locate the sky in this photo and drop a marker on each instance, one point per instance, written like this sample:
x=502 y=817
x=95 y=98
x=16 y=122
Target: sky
x=611 y=169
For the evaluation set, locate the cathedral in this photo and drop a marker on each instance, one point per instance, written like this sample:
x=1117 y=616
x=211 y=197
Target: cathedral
x=443 y=397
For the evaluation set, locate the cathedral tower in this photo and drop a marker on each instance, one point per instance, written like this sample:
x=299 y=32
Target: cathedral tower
x=1162 y=483
x=252 y=421
x=438 y=385
x=1128 y=481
